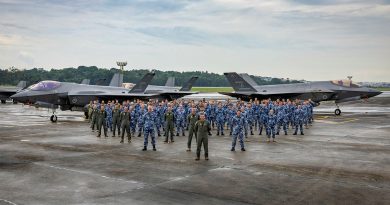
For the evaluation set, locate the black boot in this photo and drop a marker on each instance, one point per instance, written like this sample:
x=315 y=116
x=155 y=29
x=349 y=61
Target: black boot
x=177 y=134
x=302 y=133
x=251 y=132
x=217 y=133
x=233 y=149
x=183 y=134
x=144 y=149
x=243 y=149
x=139 y=135
x=154 y=148
x=206 y=157
x=295 y=133
x=222 y=134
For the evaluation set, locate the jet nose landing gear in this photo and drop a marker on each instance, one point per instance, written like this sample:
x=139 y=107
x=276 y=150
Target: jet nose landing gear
x=337 y=111
x=53 y=118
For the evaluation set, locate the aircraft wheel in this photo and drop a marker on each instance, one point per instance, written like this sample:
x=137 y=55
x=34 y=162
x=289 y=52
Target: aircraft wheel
x=2 y=101
x=53 y=118
x=337 y=111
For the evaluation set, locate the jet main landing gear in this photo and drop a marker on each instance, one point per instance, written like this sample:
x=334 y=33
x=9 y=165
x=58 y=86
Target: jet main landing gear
x=337 y=111
x=53 y=117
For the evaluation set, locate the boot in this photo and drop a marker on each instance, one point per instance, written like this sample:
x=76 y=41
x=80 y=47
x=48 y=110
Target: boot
x=129 y=139
x=177 y=134
x=217 y=133
x=302 y=133
x=121 y=141
x=295 y=133
x=233 y=149
x=206 y=157
x=113 y=135
x=285 y=133
x=230 y=133
x=139 y=135
x=144 y=149
x=183 y=134
x=98 y=135
x=154 y=148
x=222 y=134
x=243 y=149
x=251 y=132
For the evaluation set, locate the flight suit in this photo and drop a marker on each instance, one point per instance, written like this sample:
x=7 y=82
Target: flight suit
x=101 y=122
x=95 y=113
x=116 y=121
x=192 y=119
x=90 y=110
x=202 y=129
x=125 y=119
x=169 y=124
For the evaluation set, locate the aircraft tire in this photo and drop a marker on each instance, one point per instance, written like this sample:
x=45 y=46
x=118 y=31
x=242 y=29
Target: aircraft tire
x=337 y=112
x=53 y=118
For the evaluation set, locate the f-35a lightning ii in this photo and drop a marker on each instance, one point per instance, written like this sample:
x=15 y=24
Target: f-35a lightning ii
x=73 y=96
x=338 y=90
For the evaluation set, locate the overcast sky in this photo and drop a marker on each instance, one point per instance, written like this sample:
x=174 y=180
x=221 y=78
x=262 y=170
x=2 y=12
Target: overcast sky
x=296 y=39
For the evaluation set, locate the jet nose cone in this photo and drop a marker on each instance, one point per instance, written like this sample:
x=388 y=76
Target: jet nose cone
x=374 y=92
x=19 y=97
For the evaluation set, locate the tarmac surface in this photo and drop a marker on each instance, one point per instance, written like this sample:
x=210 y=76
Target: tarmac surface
x=340 y=160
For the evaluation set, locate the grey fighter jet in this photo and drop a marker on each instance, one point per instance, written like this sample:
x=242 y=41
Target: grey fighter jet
x=6 y=92
x=73 y=96
x=338 y=90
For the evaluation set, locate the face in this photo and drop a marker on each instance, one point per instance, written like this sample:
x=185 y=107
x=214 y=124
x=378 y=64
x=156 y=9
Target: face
x=238 y=113
x=150 y=108
x=202 y=117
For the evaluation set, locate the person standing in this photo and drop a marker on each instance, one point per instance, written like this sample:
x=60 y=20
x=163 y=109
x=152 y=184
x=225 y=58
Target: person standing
x=149 y=122
x=192 y=119
x=238 y=131
x=125 y=124
x=101 y=121
x=169 y=119
x=202 y=128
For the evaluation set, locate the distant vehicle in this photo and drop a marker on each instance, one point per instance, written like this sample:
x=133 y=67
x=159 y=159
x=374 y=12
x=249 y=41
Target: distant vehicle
x=336 y=90
x=6 y=92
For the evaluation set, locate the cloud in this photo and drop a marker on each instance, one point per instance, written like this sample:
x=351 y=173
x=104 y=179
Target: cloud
x=286 y=37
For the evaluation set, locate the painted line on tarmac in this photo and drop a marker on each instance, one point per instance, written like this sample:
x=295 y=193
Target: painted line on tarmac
x=9 y=202
x=86 y=172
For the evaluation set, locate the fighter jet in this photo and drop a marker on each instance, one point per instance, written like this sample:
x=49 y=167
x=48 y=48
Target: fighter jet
x=73 y=96
x=336 y=90
x=171 y=92
x=6 y=92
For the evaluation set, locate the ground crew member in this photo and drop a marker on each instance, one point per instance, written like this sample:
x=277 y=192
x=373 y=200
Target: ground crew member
x=125 y=124
x=220 y=118
x=90 y=110
x=271 y=123
x=149 y=122
x=169 y=119
x=202 y=128
x=238 y=131
x=298 y=119
x=192 y=119
x=101 y=121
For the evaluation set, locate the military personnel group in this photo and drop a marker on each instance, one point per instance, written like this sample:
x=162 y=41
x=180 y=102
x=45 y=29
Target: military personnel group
x=170 y=118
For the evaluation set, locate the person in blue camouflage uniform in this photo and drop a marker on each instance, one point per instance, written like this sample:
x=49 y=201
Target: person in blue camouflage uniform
x=108 y=109
x=243 y=114
x=149 y=120
x=250 y=117
x=220 y=118
x=263 y=117
x=230 y=115
x=311 y=105
x=133 y=119
x=157 y=113
x=211 y=115
x=271 y=125
x=305 y=108
x=180 y=120
x=256 y=113
x=298 y=119
x=282 y=118
x=141 y=112
x=238 y=131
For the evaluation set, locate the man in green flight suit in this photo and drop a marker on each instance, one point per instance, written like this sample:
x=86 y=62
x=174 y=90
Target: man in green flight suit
x=125 y=124
x=169 y=124
x=95 y=113
x=101 y=121
x=192 y=118
x=202 y=128
x=116 y=120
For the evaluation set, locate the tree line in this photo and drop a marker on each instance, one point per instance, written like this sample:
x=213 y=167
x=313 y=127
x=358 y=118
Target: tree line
x=102 y=76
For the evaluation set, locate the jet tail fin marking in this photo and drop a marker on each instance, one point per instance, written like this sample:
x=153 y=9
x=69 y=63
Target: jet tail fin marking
x=117 y=80
x=170 y=82
x=21 y=84
x=188 y=85
x=238 y=83
x=141 y=86
x=248 y=79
